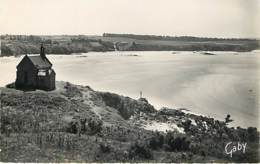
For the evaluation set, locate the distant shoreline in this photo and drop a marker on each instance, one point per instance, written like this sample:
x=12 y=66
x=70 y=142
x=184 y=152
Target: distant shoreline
x=84 y=53
x=13 y=45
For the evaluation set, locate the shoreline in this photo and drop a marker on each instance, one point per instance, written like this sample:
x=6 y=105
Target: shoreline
x=183 y=110
x=174 y=52
x=135 y=53
x=22 y=44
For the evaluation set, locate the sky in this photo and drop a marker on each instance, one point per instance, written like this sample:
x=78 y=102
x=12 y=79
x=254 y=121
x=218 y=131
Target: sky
x=204 y=18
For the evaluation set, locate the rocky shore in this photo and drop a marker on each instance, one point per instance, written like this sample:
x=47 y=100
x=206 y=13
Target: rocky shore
x=77 y=124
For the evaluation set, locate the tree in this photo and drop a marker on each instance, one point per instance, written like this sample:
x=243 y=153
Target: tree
x=227 y=119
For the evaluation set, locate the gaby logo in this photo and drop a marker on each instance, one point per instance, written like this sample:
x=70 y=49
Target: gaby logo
x=231 y=148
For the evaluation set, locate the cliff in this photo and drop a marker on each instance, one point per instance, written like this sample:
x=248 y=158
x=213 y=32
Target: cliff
x=77 y=124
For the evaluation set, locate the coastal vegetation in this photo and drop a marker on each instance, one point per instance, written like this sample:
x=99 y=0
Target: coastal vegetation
x=77 y=124
x=12 y=45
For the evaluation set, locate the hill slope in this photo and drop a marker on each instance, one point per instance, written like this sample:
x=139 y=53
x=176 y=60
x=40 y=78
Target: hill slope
x=77 y=124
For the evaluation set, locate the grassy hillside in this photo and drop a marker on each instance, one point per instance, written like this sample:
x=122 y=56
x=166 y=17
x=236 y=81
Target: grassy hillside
x=77 y=124
x=68 y=44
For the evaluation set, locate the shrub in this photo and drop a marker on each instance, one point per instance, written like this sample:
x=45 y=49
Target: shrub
x=252 y=134
x=227 y=119
x=187 y=125
x=105 y=148
x=78 y=126
x=177 y=142
x=95 y=126
x=156 y=141
x=73 y=127
x=140 y=150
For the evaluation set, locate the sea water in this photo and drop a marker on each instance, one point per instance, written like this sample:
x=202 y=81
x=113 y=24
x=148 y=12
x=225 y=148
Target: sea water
x=212 y=85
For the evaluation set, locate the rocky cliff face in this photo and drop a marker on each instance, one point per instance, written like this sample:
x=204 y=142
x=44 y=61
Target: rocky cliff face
x=77 y=124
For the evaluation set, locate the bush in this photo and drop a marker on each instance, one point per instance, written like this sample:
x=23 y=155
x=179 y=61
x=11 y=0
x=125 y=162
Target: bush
x=187 y=125
x=227 y=119
x=140 y=150
x=73 y=127
x=95 y=126
x=156 y=141
x=105 y=148
x=78 y=126
x=252 y=134
x=177 y=142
